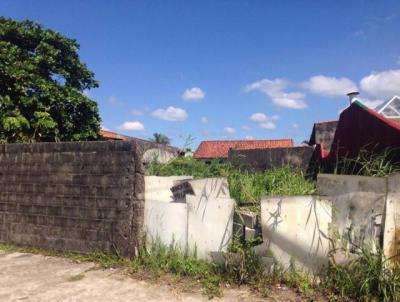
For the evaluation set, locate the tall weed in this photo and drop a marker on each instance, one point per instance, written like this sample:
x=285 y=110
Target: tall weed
x=370 y=277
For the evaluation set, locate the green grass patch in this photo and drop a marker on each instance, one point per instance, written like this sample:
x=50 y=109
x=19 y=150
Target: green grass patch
x=370 y=277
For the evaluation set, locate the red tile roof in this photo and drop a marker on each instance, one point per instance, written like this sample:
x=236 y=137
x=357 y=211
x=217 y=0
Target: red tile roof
x=220 y=149
x=109 y=135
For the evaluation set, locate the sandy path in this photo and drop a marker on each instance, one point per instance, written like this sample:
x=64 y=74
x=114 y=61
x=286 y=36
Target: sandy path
x=28 y=277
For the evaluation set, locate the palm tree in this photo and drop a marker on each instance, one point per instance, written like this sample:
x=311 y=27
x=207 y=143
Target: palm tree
x=160 y=139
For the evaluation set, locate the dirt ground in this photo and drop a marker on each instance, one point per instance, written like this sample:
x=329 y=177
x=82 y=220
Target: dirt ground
x=28 y=277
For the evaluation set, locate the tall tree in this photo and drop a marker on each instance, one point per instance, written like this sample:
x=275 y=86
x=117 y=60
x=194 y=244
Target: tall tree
x=160 y=139
x=42 y=86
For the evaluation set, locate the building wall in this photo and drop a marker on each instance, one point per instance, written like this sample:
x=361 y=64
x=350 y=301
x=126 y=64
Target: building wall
x=75 y=197
x=259 y=160
x=323 y=133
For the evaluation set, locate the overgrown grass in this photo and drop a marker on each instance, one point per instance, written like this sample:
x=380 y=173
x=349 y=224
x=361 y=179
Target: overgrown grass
x=370 y=277
x=245 y=187
x=368 y=163
x=159 y=259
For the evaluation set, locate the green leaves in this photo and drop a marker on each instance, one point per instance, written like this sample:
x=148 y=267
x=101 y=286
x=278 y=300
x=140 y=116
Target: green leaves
x=41 y=85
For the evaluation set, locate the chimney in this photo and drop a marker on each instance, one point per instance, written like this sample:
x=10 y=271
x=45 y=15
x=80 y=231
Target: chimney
x=352 y=96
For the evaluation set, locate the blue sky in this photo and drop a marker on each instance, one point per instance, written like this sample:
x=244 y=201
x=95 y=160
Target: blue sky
x=227 y=69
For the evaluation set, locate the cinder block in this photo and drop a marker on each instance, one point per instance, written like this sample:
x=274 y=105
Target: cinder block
x=249 y=233
x=248 y=219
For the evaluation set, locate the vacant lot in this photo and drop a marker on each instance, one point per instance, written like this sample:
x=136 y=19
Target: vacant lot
x=28 y=277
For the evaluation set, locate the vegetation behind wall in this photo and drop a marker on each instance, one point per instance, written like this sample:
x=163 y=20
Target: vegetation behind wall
x=245 y=187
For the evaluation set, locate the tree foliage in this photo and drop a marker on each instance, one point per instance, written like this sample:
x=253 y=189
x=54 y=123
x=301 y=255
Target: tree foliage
x=42 y=84
x=160 y=139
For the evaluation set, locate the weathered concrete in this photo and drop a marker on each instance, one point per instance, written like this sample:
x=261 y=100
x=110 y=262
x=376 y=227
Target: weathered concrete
x=213 y=187
x=391 y=234
x=166 y=223
x=210 y=224
x=295 y=229
x=260 y=160
x=358 y=204
x=159 y=155
x=203 y=222
x=159 y=187
x=78 y=196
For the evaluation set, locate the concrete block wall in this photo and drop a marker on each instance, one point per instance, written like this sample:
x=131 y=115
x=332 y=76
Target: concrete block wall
x=76 y=196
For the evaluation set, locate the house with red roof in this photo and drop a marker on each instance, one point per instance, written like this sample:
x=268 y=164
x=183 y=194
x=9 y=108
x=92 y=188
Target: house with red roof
x=109 y=135
x=219 y=149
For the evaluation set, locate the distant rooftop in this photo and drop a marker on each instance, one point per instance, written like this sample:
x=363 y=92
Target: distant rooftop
x=220 y=148
x=109 y=135
x=391 y=108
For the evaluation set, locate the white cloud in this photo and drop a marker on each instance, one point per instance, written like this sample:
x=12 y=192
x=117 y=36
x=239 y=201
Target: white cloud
x=137 y=112
x=261 y=117
x=330 y=86
x=264 y=121
x=371 y=103
x=275 y=89
x=267 y=125
x=295 y=125
x=204 y=119
x=114 y=101
x=171 y=114
x=193 y=94
x=131 y=126
x=249 y=137
x=246 y=128
x=382 y=85
x=104 y=128
x=229 y=130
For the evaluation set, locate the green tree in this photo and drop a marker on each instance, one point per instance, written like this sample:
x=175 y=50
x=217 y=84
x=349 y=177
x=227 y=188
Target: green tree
x=160 y=139
x=42 y=85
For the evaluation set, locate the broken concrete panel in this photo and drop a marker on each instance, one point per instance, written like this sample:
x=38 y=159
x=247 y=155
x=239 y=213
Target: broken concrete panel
x=391 y=239
x=249 y=219
x=295 y=229
x=357 y=209
x=165 y=223
x=159 y=187
x=209 y=224
x=216 y=187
